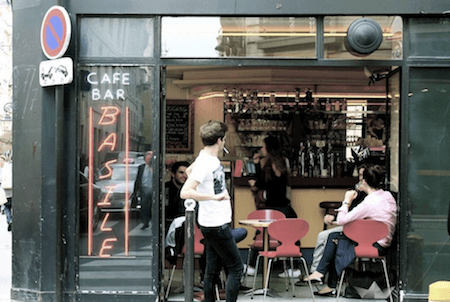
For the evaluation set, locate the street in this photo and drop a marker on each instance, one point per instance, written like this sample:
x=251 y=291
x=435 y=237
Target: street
x=5 y=264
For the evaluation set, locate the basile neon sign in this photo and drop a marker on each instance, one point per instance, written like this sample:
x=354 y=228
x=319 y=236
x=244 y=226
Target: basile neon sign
x=109 y=116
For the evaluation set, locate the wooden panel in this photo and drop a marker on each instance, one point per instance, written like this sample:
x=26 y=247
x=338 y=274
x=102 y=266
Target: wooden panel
x=305 y=202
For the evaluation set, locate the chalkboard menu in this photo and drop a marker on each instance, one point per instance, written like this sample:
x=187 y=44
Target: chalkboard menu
x=179 y=126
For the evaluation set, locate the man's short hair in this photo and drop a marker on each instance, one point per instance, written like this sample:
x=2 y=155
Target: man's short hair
x=211 y=131
x=178 y=164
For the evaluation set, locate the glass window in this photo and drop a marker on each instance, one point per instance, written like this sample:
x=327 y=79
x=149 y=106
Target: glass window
x=116 y=37
x=428 y=178
x=335 y=33
x=212 y=37
x=430 y=37
x=116 y=252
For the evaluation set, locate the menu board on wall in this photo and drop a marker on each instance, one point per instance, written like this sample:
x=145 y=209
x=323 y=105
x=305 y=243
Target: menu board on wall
x=179 y=126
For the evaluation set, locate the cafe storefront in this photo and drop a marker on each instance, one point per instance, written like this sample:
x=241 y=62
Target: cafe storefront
x=147 y=75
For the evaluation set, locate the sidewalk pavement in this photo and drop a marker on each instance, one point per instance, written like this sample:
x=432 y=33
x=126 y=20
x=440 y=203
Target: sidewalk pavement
x=5 y=261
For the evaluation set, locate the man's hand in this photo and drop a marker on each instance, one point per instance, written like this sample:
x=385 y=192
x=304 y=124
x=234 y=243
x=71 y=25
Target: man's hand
x=329 y=219
x=222 y=196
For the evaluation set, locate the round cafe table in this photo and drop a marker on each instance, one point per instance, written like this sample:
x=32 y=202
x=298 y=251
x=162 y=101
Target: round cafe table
x=262 y=223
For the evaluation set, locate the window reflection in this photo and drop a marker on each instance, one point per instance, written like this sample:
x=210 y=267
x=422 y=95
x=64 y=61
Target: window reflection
x=115 y=115
x=116 y=37
x=238 y=37
x=335 y=32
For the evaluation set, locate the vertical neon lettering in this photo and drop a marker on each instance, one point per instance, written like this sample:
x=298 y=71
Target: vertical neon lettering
x=127 y=192
x=102 y=227
x=109 y=115
x=91 y=179
x=109 y=141
x=108 y=167
x=105 y=246
x=105 y=201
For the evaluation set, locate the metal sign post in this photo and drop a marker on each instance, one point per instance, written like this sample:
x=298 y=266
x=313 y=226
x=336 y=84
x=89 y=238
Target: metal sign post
x=189 y=204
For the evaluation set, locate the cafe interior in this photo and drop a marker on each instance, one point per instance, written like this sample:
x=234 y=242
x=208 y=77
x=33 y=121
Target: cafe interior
x=328 y=120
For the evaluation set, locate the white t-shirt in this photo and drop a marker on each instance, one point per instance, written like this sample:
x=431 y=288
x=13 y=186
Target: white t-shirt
x=209 y=173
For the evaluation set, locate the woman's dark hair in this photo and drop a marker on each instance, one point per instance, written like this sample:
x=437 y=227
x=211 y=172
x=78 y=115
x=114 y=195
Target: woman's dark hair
x=374 y=176
x=275 y=156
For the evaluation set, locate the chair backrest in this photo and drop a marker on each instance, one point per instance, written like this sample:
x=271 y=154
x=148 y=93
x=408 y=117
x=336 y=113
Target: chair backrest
x=288 y=231
x=199 y=247
x=265 y=214
x=365 y=233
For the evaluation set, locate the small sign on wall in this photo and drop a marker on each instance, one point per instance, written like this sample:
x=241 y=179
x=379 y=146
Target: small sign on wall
x=179 y=126
x=56 y=72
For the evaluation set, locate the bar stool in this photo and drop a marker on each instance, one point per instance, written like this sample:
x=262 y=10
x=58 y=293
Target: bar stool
x=330 y=208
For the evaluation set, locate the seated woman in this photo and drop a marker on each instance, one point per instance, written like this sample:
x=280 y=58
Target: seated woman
x=378 y=205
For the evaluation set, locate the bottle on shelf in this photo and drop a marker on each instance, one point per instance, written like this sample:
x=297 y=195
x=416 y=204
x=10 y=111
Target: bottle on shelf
x=301 y=161
x=331 y=161
x=311 y=160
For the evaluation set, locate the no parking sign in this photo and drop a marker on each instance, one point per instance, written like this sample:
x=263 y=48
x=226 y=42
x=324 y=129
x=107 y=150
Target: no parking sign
x=55 y=32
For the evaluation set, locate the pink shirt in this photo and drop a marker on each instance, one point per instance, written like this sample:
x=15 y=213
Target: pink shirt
x=379 y=206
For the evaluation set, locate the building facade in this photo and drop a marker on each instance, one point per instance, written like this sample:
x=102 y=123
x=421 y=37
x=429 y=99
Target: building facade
x=77 y=147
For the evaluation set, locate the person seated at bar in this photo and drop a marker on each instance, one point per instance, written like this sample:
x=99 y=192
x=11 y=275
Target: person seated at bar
x=379 y=205
x=330 y=220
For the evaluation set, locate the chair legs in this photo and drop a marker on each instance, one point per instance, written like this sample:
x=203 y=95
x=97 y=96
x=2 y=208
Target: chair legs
x=386 y=275
x=170 y=281
x=246 y=267
x=266 y=286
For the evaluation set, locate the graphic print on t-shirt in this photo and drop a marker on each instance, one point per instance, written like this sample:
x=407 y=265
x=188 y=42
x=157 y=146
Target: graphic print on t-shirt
x=219 y=180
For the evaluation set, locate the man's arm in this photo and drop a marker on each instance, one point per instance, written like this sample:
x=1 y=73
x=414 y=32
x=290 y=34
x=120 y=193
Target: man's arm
x=189 y=191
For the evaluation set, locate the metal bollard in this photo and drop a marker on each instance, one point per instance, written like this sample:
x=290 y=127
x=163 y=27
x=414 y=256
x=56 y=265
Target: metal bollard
x=189 y=204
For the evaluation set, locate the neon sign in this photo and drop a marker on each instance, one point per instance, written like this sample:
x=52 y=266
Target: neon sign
x=109 y=117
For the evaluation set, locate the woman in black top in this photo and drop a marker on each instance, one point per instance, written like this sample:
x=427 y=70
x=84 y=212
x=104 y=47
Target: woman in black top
x=272 y=182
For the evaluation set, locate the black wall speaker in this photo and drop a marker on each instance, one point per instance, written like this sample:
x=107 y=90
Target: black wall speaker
x=364 y=36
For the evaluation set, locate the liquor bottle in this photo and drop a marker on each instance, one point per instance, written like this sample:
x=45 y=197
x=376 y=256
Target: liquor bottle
x=331 y=161
x=311 y=160
x=328 y=105
x=321 y=161
x=302 y=161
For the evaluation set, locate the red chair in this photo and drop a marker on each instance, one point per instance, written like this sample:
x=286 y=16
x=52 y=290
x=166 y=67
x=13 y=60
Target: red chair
x=365 y=233
x=258 y=244
x=199 y=248
x=287 y=231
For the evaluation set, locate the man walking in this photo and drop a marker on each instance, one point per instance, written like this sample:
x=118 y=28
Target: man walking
x=206 y=184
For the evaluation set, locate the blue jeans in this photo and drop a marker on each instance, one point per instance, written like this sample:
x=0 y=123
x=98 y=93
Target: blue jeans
x=221 y=248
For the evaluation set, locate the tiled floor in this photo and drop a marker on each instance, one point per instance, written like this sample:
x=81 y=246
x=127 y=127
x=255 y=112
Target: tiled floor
x=302 y=293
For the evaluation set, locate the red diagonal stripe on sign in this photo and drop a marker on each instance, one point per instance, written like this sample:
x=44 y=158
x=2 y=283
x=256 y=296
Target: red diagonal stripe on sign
x=54 y=32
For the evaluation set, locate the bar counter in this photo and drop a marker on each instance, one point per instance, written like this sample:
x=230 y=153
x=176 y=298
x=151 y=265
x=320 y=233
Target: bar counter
x=306 y=195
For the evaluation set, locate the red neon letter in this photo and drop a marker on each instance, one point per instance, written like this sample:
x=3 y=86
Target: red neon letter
x=102 y=227
x=105 y=201
x=106 y=247
x=111 y=113
x=107 y=166
x=109 y=141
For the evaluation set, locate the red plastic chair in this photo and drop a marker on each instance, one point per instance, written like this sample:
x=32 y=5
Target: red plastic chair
x=199 y=248
x=365 y=233
x=287 y=231
x=258 y=244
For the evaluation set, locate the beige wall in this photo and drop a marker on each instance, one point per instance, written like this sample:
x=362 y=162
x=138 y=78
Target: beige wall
x=305 y=202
